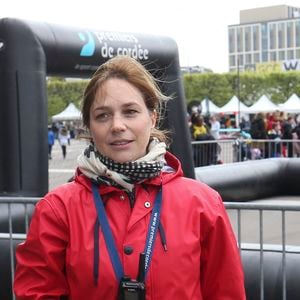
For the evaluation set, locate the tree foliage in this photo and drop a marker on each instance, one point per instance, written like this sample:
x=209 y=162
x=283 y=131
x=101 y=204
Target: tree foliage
x=62 y=92
x=247 y=86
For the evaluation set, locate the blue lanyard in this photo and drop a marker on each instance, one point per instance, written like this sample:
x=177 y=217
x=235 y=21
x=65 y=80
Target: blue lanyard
x=108 y=236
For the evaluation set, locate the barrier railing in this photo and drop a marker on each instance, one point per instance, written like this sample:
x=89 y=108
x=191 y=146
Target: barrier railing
x=268 y=217
x=15 y=213
x=282 y=239
x=212 y=152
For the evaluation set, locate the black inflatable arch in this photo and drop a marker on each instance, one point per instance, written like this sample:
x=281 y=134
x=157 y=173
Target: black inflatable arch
x=29 y=51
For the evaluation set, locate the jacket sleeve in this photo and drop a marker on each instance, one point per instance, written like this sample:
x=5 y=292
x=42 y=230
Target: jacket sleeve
x=41 y=258
x=221 y=268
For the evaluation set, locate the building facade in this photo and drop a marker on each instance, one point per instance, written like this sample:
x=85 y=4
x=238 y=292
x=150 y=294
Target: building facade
x=267 y=39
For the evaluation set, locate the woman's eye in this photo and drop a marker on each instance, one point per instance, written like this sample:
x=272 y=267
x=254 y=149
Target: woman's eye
x=102 y=116
x=131 y=112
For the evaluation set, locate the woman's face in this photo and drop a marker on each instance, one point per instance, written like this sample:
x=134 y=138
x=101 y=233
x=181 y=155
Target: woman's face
x=120 y=122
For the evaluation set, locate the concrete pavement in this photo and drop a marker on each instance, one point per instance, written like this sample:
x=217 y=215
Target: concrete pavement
x=60 y=169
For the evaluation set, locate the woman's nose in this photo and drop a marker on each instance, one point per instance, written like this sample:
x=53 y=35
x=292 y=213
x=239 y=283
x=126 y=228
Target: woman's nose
x=118 y=124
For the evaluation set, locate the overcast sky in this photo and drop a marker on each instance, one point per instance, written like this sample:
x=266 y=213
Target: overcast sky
x=200 y=28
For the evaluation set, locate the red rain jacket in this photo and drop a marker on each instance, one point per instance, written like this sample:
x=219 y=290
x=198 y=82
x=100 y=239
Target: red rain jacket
x=201 y=262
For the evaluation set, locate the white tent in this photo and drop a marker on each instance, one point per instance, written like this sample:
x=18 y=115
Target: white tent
x=212 y=108
x=71 y=113
x=292 y=105
x=263 y=104
x=233 y=106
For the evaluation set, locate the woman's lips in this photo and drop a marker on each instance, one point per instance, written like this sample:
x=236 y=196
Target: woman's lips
x=122 y=144
x=119 y=143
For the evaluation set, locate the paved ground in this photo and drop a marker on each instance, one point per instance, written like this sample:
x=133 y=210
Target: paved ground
x=60 y=169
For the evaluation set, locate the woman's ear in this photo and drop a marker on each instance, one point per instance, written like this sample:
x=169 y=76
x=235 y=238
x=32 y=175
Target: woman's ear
x=154 y=118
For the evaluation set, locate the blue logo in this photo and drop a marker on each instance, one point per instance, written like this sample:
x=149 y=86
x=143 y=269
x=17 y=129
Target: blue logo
x=88 y=48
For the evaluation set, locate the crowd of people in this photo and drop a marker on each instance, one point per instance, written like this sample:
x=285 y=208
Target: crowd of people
x=280 y=127
x=258 y=136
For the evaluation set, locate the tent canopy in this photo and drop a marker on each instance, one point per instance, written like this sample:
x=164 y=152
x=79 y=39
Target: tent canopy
x=70 y=113
x=234 y=105
x=263 y=104
x=292 y=105
x=212 y=108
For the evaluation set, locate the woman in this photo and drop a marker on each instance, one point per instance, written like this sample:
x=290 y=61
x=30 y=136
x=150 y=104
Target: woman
x=130 y=226
x=64 y=140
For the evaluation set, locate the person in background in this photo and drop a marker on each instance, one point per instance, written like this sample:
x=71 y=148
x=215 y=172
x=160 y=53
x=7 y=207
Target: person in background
x=55 y=128
x=51 y=140
x=296 y=138
x=64 y=140
x=287 y=127
x=270 y=120
x=258 y=127
x=130 y=225
x=275 y=134
x=215 y=127
x=199 y=130
x=258 y=131
x=245 y=125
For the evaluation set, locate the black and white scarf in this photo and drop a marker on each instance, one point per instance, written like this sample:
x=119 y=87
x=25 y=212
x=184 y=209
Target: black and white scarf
x=104 y=170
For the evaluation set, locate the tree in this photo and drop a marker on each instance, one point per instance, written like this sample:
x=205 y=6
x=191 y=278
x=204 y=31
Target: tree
x=221 y=87
x=62 y=92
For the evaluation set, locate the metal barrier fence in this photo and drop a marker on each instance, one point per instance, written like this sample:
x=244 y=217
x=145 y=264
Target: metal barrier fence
x=212 y=152
x=284 y=215
x=285 y=238
x=15 y=213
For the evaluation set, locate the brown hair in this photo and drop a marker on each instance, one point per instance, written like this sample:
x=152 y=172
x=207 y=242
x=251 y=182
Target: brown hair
x=127 y=68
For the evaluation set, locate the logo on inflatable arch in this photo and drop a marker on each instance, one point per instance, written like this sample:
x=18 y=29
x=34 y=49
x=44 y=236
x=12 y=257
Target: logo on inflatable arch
x=88 y=48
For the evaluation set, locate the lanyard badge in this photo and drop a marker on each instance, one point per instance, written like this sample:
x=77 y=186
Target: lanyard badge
x=129 y=289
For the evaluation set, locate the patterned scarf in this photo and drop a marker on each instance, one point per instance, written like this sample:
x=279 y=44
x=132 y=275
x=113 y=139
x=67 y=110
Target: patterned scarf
x=104 y=170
